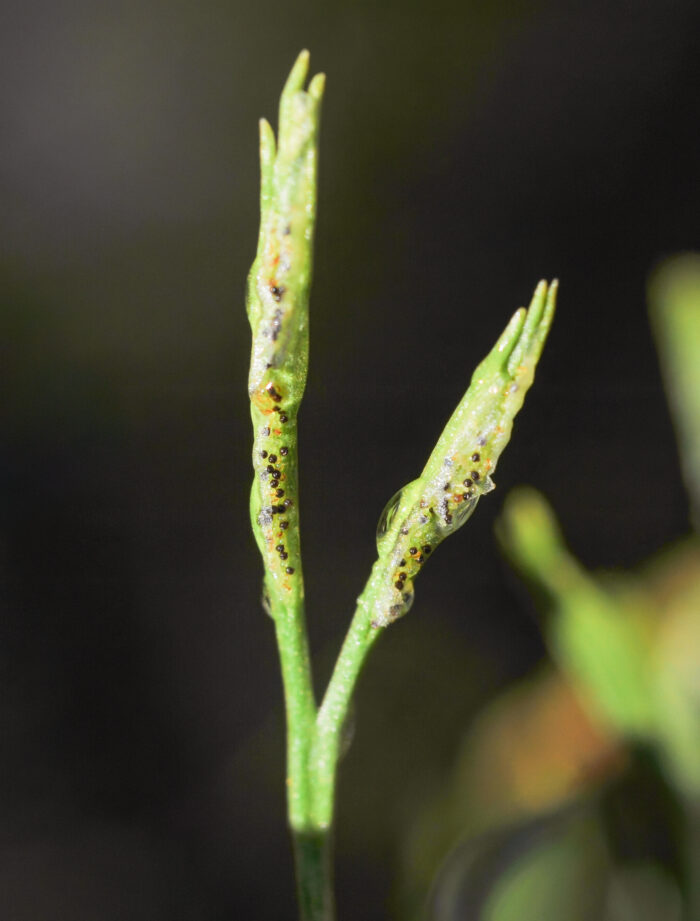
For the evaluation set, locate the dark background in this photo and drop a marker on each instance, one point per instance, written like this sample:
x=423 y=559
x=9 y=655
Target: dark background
x=468 y=149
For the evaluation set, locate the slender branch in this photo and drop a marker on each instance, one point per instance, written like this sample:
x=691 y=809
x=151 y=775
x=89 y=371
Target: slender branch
x=277 y=303
x=333 y=712
x=428 y=510
x=300 y=709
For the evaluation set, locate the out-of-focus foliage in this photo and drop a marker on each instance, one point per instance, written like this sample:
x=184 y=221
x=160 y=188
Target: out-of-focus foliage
x=528 y=872
x=600 y=633
x=630 y=648
x=674 y=296
x=529 y=819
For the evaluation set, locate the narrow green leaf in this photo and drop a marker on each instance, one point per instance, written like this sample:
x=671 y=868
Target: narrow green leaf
x=599 y=639
x=674 y=303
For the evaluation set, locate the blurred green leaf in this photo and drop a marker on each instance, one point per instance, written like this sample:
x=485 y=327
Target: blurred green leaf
x=676 y=675
x=598 y=638
x=674 y=306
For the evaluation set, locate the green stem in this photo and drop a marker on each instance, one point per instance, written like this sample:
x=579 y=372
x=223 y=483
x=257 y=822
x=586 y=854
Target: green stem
x=284 y=598
x=313 y=862
x=300 y=708
x=426 y=511
x=277 y=304
x=333 y=711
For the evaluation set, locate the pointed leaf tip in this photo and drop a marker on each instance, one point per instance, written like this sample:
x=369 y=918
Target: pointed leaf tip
x=551 y=300
x=317 y=86
x=297 y=75
x=510 y=335
x=267 y=144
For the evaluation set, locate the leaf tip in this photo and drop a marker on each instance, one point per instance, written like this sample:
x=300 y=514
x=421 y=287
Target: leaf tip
x=298 y=73
x=267 y=144
x=511 y=334
x=317 y=86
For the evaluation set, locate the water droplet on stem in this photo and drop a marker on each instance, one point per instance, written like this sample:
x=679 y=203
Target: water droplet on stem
x=456 y=515
x=487 y=486
x=403 y=603
x=387 y=517
x=266 y=604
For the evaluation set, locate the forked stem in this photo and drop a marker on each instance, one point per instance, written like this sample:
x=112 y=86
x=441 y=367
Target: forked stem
x=422 y=515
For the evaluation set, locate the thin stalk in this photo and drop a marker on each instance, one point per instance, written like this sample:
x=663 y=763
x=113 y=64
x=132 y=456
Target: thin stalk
x=278 y=305
x=300 y=709
x=333 y=712
x=425 y=512
x=314 y=873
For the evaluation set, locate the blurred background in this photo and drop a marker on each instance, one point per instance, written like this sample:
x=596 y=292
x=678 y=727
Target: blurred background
x=467 y=150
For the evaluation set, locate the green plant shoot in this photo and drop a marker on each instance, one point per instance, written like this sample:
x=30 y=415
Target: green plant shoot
x=458 y=472
x=278 y=305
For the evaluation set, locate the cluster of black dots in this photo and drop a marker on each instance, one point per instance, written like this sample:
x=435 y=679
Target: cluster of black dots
x=277 y=292
x=275 y=474
x=445 y=511
x=468 y=483
x=418 y=556
x=276 y=398
x=474 y=477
